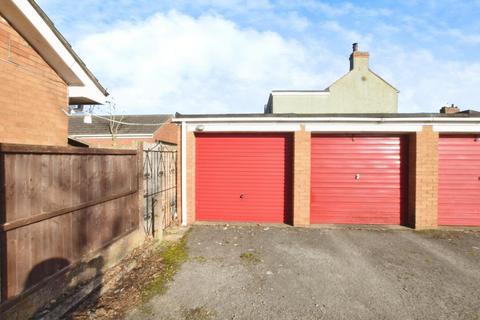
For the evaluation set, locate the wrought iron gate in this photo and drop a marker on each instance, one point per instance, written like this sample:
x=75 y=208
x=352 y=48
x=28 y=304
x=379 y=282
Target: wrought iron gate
x=160 y=171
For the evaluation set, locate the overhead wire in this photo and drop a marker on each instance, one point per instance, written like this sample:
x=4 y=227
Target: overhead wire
x=118 y=121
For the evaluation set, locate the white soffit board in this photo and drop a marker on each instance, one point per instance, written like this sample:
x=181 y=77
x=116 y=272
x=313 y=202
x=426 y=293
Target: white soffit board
x=457 y=128
x=243 y=127
x=280 y=118
x=89 y=92
x=44 y=40
x=355 y=127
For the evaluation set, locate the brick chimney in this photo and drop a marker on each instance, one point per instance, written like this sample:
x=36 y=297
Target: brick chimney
x=450 y=109
x=358 y=59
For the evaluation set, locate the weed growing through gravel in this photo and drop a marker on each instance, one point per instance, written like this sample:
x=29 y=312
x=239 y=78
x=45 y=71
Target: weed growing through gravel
x=173 y=255
x=199 y=259
x=199 y=313
x=250 y=257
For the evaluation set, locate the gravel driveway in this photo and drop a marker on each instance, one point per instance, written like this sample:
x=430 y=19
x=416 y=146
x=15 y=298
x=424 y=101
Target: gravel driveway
x=258 y=272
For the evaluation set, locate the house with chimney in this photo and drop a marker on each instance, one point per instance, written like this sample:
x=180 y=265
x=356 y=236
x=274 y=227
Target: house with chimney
x=359 y=91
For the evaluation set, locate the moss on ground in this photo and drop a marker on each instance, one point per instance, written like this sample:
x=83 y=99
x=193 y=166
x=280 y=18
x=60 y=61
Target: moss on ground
x=200 y=313
x=173 y=254
x=250 y=257
x=199 y=259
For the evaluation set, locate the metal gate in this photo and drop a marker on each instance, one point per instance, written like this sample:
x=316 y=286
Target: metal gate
x=160 y=172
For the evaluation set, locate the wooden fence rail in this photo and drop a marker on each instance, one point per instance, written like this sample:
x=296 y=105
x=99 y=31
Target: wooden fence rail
x=57 y=204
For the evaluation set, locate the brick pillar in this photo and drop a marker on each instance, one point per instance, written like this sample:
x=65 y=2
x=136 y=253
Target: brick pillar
x=190 y=177
x=301 y=177
x=423 y=179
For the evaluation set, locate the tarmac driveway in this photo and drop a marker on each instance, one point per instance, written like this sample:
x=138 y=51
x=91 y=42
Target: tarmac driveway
x=258 y=272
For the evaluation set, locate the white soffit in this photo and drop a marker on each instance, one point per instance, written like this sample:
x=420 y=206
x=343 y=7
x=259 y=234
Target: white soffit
x=457 y=128
x=32 y=26
x=299 y=118
x=358 y=127
x=243 y=127
x=330 y=127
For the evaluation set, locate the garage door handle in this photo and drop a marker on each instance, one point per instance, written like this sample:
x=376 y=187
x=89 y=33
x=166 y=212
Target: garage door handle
x=357 y=176
x=242 y=196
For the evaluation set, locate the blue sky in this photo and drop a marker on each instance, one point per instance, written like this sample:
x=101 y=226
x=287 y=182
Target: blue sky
x=227 y=55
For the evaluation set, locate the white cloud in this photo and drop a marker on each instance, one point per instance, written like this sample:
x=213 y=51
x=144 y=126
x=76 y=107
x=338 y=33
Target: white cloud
x=340 y=8
x=173 y=62
x=427 y=83
x=468 y=38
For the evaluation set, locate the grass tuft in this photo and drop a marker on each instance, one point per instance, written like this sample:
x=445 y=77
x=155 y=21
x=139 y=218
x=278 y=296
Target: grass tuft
x=200 y=313
x=250 y=257
x=173 y=254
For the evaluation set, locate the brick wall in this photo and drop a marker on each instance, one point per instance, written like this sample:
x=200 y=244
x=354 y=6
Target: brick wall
x=301 y=178
x=423 y=179
x=121 y=143
x=31 y=94
x=167 y=133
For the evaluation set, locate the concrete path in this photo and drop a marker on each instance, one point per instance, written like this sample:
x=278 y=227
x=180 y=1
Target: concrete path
x=258 y=272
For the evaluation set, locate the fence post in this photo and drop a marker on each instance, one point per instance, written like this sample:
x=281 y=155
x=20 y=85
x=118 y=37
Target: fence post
x=141 y=200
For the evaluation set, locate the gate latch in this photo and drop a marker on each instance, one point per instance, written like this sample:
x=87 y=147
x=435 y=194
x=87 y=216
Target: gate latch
x=357 y=176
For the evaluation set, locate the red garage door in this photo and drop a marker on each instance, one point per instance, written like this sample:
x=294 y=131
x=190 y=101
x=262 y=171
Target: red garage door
x=459 y=180
x=357 y=179
x=243 y=177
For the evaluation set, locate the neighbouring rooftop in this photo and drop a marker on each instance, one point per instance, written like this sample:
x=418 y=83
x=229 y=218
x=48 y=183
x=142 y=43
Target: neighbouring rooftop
x=138 y=124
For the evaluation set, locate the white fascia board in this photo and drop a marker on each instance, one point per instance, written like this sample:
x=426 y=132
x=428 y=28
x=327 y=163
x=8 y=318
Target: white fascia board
x=457 y=128
x=273 y=119
x=355 y=127
x=54 y=52
x=243 y=127
x=325 y=119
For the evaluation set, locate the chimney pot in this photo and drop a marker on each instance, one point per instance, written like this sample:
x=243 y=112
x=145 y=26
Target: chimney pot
x=358 y=59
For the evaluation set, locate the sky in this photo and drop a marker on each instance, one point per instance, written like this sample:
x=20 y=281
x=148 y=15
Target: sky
x=226 y=56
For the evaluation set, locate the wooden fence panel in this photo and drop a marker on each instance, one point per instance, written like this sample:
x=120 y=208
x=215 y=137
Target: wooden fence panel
x=58 y=205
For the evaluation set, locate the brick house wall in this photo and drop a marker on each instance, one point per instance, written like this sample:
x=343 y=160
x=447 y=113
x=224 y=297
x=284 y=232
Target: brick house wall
x=167 y=133
x=32 y=95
